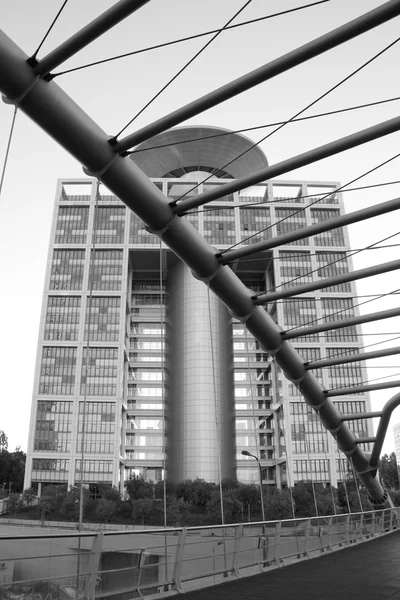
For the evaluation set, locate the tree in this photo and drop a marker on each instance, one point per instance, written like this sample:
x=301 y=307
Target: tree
x=3 y=441
x=71 y=502
x=12 y=466
x=14 y=503
x=28 y=496
x=278 y=505
x=142 y=509
x=138 y=488
x=177 y=510
x=106 y=509
x=388 y=471
x=197 y=492
x=232 y=507
x=304 y=499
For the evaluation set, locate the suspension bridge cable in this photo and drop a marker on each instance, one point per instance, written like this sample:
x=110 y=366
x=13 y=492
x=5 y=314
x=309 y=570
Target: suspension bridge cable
x=3 y=172
x=86 y=357
x=367 y=382
x=247 y=129
x=343 y=479
x=303 y=208
x=288 y=200
x=162 y=329
x=218 y=440
x=33 y=57
x=251 y=393
x=297 y=114
x=188 y=38
x=342 y=310
x=186 y=65
x=300 y=251
x=311 y=474
x=356 y=484
x=334 y=262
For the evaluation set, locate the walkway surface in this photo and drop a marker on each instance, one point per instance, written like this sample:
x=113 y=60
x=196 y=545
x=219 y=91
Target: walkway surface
x=368 y=571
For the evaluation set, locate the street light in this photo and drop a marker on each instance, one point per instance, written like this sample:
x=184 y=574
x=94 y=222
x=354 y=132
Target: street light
x=264 y=536
x=246 y=453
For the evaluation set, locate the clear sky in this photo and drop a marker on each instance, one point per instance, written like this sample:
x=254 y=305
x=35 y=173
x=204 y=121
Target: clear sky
x=112 y=93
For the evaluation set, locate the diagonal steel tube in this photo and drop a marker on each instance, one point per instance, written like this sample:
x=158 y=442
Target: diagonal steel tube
x=71 y=127
x=361 y=389
x=343 y=360
x=324 y=283
x=358 y=416
x=330 y=40
x=306 y=158
x=340 y=324
x=305 y=232
x=88 y=34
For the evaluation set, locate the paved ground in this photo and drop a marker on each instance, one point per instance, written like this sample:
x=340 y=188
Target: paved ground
x=368 y=571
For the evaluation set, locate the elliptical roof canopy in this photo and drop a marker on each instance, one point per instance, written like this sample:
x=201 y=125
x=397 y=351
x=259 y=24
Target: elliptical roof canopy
x=176 y=152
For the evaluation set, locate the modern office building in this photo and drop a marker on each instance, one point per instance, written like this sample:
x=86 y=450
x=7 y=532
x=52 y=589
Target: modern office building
x=167 y=380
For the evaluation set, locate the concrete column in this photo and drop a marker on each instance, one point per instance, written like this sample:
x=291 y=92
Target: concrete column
x=193 y=437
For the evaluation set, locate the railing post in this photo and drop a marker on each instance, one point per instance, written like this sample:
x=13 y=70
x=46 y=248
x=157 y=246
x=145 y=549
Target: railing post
x=94 y=563
x=330 y=528
x=361 y=527
x=142 y=563
x=236 y=549
x=348 y=529
x=373 y=524
x=306 y=538
x=277 y=542
x=176 y=578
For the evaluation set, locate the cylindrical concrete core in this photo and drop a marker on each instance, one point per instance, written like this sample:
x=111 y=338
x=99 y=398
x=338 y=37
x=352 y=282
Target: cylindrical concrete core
x=198 y=421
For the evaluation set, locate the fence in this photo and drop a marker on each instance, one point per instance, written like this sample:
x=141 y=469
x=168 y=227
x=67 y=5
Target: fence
x=121 y=565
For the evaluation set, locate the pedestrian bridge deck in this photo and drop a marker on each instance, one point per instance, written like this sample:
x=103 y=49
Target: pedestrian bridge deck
x=369 y=571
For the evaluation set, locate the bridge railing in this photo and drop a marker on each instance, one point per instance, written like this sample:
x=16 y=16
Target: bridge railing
x=50 y=565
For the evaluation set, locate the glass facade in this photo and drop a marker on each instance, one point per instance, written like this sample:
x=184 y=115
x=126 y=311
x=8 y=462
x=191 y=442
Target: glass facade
x=67 y=270
x=72 y=224
x=104 y=315
x=58 y=371
x=101 y=372
x=53 y=426
x=110 y=225
x=62 y=318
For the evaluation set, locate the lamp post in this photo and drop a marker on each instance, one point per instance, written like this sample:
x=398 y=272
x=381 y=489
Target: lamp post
x=246 y=453
x=264 y=547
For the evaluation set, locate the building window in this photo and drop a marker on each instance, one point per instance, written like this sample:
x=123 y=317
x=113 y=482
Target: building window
x=252 y=222
x=298 y=313
x=335 y=237
x=72 y=224
x=288 y=220
x=314 y=469
x=101 y=372
x=110 y=225
x=62 y=318
x=58 y=370
x=107 y=270
x=295 y=267
x=104 y=318
x=99 y=427
x=331 y=264
x=219 y=226
x=50 y=469
x=336 y=309
x=67 y=270
x=53 y=426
